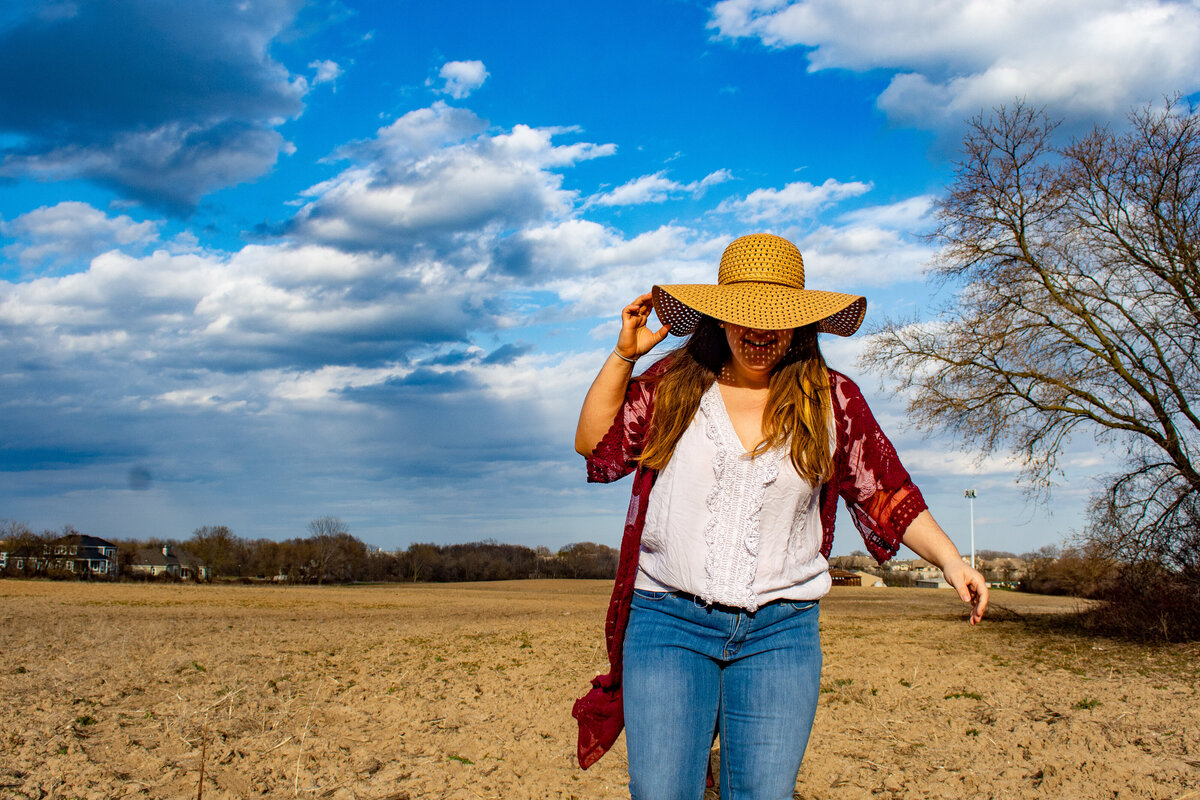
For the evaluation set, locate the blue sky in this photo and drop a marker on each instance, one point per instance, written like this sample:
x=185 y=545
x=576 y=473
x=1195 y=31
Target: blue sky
x=263 y=262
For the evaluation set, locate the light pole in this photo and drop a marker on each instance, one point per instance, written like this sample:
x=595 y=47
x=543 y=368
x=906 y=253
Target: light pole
x=970 y=495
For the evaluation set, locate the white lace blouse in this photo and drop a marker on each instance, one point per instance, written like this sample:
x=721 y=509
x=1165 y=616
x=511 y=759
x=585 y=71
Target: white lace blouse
x=730 y=529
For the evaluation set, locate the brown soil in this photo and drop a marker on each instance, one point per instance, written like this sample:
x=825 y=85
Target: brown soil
x=464 y=691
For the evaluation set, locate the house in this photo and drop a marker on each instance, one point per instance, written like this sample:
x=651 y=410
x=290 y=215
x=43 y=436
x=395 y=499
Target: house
x=8 y=553
x=933 y=582
x=167 y=560
x=924 y=575
x=83 y=555
x=867 y=579
x=1004 y=569
x=844 y=577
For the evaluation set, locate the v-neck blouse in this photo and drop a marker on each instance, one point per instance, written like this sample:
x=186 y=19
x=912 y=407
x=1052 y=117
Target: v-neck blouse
x=728 y=528
x=867 y=476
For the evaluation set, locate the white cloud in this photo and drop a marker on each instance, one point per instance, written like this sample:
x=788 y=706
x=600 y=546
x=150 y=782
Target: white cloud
x=433 y=180
x=1082 y=58
x=422 y=242
x=327 y=72
x=419 y=244
x=69 y=232
x=793 y=202
x=871 y=246
x=264 y=307
x=952 y=463
x=460 y=78
x=657 y=188
x=595 y=271
x=414 y=136
x=646 y=189
x=836 y=257
x=533 y=147
x=912 y=214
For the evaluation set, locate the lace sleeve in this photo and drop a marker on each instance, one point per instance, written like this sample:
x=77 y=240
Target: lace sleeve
x=881 y=497
x=617 y=453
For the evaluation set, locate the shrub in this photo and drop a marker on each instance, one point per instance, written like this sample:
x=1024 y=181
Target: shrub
x=1147 y=603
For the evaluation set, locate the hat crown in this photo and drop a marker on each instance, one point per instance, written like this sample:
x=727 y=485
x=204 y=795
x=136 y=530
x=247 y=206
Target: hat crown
x=762 y=258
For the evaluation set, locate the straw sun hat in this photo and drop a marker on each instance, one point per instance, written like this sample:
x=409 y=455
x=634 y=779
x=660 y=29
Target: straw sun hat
x=760 y=285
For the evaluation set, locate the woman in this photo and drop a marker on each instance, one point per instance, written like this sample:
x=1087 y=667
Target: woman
x=741 y=441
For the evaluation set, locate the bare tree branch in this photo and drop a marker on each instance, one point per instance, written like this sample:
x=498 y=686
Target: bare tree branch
x=1076 y=273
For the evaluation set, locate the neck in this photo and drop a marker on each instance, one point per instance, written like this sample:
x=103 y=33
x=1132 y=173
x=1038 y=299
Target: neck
x=730 y=375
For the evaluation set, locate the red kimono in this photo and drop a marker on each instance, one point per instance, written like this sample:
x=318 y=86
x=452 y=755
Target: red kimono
x=867 y=474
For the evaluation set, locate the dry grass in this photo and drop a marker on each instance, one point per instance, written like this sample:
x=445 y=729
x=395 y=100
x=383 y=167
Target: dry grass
x=464 y=691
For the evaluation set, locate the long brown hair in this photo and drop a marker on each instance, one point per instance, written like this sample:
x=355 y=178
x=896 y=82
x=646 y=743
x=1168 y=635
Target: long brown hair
x=798 y=405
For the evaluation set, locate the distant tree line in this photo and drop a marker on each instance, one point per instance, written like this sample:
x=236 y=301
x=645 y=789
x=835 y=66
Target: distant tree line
x=331 y=554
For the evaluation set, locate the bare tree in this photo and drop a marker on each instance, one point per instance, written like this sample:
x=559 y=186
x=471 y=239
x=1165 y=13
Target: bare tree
x=327 y=526
x=223 y=551
x=336 y=555
x=422 y=558
x=20 y=544
x=588 y=560
x=1077 y=310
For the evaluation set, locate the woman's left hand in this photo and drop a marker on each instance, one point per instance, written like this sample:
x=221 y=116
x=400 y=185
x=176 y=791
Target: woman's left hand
x=927 y=539
x=970 y=585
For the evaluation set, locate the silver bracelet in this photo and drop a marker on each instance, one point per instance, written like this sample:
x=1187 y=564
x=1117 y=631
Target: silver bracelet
x=624 y=358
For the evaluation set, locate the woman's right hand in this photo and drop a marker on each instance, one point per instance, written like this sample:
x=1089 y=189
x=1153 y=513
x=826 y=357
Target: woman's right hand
x=636 y=339
x=603 y=400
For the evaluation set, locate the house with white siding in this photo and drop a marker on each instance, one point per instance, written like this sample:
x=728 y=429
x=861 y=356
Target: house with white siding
x=168 y=560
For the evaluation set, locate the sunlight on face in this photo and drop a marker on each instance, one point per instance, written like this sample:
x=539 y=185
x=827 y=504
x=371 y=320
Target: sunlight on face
x=755 y=351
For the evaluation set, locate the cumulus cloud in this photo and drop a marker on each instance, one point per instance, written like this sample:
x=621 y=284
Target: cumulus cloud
x=657 y=188
x=863 y=256
x=795 y=200
x=70 y=232
x=326 y=72
x=414 y=136
x=460 y=78
x=913 y=214
x=950 y=463
x=399 y=261
x=163 y=102
x=869 y=247
x=246 y=331
x=261 y=308
x=595 y=270
x=421 y=244
x=433 y=181
x=1083 y=58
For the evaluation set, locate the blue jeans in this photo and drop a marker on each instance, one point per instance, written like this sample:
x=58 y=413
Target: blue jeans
x=690 y=670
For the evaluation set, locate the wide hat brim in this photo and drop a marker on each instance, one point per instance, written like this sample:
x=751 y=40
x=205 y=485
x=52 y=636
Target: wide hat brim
x=769 y=306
